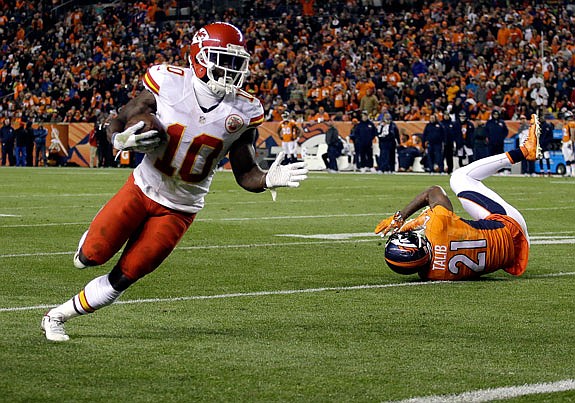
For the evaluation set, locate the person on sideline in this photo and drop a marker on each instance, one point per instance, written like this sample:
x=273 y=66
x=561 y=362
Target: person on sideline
x=289 y=132
x=40 y=135
x=7 y=137
x=362 y=136
x=388 y=140
x=206 y=116
x=545 y=140
x=434 y=139
x=439 y=245
x=568 y=141
x=334 y=148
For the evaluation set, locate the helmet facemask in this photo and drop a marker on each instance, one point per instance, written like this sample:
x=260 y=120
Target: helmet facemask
x=226 y=68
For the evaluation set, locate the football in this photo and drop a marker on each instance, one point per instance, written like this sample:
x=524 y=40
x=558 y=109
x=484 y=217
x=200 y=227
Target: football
x=151 y=122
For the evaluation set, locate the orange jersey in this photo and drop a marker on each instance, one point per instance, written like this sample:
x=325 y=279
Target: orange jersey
x=568 y=131
x=464 y=249
x=288 y=130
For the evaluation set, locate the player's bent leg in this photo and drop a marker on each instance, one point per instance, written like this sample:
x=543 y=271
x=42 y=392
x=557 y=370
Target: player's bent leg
x=477 y=199
x=112 y=226
x=154 y=242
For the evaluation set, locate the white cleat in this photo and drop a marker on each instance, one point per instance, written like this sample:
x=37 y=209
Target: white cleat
x=53 y=327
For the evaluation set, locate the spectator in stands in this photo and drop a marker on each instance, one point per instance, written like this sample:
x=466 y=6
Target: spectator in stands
x=369 y=102
x=37 y=82
x=362 y=136
x=321 y=115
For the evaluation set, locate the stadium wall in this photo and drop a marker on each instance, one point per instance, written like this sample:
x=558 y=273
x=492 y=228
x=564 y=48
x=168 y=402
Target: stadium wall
x=74 y=136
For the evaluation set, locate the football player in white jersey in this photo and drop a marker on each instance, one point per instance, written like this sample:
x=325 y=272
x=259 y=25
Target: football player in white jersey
x=205 y=115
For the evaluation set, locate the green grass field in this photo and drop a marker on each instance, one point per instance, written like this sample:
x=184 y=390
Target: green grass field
x=284 y=301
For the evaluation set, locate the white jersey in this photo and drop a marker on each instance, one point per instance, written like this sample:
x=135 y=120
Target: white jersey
x=179 y=173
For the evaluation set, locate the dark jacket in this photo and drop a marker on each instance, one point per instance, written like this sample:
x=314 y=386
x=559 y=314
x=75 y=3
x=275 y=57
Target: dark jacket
x=389 y=138
x=7 y=134
x=546 y=135
x=364 y=132
x=433 y=133
x=21 y=135
x=496 y=131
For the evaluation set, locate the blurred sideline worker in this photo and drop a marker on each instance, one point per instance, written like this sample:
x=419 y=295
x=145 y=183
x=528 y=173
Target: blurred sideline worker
x=289 y=132
x=451 y=135
x=362 y=136
x=464 y=138
x=388 y=139
x=7 y=139
x=434 y=139
x=334 y=147
x=40 y=135
x=568 y=143
x=206 y=116
x=439 y=245
x=545 y=140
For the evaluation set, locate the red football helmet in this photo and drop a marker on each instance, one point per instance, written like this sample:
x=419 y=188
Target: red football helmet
x=218 y=57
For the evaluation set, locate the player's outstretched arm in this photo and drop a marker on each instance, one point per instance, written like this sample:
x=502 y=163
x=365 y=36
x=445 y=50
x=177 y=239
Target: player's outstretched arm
x=432 y=196
x=251 y=177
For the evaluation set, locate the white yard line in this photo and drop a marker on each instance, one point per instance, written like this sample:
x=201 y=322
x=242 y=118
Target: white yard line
x=487 y=395
x=273 y=292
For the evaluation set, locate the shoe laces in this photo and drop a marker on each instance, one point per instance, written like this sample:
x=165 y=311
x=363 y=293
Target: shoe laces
x=56 y=325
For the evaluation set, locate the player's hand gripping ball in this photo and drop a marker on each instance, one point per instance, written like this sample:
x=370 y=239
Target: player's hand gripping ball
x=143 y=133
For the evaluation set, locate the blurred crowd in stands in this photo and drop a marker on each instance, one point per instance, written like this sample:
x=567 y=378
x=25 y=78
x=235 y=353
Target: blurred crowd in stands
x=76 y=65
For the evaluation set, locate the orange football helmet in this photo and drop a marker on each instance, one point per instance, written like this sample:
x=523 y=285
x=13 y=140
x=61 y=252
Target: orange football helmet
x=219 y=58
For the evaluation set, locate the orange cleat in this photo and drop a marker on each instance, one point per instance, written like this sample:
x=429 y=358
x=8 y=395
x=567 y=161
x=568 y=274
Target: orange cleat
x=530 y=147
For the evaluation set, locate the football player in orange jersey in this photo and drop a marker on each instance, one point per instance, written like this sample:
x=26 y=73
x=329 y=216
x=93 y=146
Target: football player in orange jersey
x=439 y=245
x=568 y=143
x=206 y=116
x=289 y=132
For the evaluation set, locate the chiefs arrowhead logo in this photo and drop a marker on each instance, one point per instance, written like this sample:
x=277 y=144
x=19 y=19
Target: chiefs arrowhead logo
x=234 y=123
x=200 y=36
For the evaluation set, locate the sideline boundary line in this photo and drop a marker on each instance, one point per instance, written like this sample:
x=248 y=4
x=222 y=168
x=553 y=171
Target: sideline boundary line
x=487 y=395
x=281 y=292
